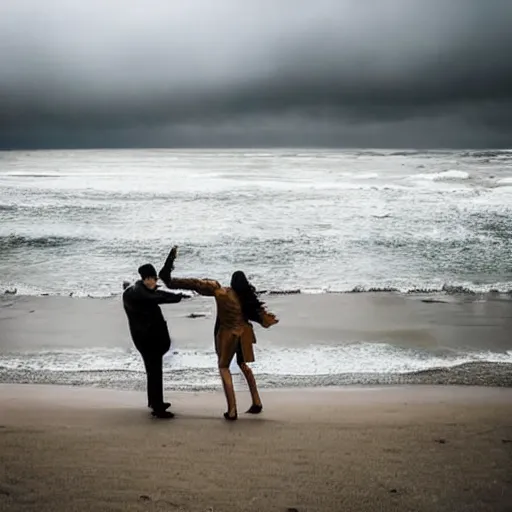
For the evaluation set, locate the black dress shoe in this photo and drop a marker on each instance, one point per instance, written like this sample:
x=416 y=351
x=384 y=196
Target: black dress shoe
x=164 y=406
x=162 y=414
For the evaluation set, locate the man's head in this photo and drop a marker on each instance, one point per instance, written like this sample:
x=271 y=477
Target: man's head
x=148 y=275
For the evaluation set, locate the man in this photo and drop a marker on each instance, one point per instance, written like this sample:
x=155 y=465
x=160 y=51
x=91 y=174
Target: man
x=149 y=332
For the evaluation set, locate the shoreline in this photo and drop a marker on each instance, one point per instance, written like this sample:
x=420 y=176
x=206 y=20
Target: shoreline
x=321 y=340
x=460 y=292
x=492 y=375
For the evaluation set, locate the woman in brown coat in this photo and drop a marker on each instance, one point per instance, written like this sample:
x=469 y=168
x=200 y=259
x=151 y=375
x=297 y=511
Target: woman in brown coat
x=237 y=307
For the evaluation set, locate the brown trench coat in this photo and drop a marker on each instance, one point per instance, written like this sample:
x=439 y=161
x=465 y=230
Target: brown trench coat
x=234 y=330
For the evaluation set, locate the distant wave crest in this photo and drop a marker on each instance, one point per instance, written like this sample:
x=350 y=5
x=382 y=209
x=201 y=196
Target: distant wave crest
x=449 y=175
x=11 y=242
x=447 y=289
x=488 y=154
x=33 y=175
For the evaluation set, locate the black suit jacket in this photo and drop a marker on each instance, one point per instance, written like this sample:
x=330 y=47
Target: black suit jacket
x=148 y=327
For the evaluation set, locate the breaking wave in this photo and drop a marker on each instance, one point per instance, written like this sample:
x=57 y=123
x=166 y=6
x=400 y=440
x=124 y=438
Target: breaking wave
x=11 y=242
x=34 y=174
x=315 y=359
x=446 y=289
x=444 y=176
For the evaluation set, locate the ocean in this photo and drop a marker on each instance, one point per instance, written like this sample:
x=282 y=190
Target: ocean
x=413 y=223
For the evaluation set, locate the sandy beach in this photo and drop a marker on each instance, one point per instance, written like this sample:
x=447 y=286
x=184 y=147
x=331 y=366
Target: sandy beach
x=420 y=448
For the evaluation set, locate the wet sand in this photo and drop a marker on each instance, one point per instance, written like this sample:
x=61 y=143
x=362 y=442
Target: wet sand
x=418 y=448
x=462 y=321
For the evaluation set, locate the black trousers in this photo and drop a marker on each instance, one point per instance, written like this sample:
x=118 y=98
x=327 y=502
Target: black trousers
x=153 y=363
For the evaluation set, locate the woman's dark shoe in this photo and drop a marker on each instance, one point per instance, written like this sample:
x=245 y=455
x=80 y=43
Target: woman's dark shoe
x=230 y=418
x=254 y=409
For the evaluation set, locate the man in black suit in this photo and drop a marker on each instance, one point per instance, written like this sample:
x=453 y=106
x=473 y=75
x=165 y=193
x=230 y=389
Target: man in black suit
x=149 y=332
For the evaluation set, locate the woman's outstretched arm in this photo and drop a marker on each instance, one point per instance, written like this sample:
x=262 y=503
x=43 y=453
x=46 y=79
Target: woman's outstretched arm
x=202 y=286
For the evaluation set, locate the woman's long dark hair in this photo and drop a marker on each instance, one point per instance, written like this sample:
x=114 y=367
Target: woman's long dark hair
x=246 y=292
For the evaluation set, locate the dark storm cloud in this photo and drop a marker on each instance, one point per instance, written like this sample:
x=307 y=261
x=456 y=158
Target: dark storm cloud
x=335 y=72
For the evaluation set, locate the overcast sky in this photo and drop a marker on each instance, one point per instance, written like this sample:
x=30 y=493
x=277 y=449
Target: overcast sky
x=343 y=73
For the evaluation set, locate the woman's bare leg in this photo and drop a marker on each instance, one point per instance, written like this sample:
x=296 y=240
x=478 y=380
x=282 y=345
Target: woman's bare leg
x=251 y=382
x=229 y=391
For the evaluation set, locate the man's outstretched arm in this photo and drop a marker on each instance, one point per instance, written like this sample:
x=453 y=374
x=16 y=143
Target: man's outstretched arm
x=143 y=294
x=165 y=297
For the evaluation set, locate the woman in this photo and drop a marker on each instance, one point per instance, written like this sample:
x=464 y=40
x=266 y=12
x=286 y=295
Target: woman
x=237 y=307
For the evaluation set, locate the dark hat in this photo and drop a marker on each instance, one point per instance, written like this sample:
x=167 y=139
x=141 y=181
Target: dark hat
x=147 y=270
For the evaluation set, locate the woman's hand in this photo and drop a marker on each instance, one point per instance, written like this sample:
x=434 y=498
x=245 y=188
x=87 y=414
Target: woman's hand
x=174 y=253
x=165 y=272
x=268 y=319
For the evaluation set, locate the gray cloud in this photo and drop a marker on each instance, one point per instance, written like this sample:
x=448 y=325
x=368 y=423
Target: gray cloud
x=328 y=72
